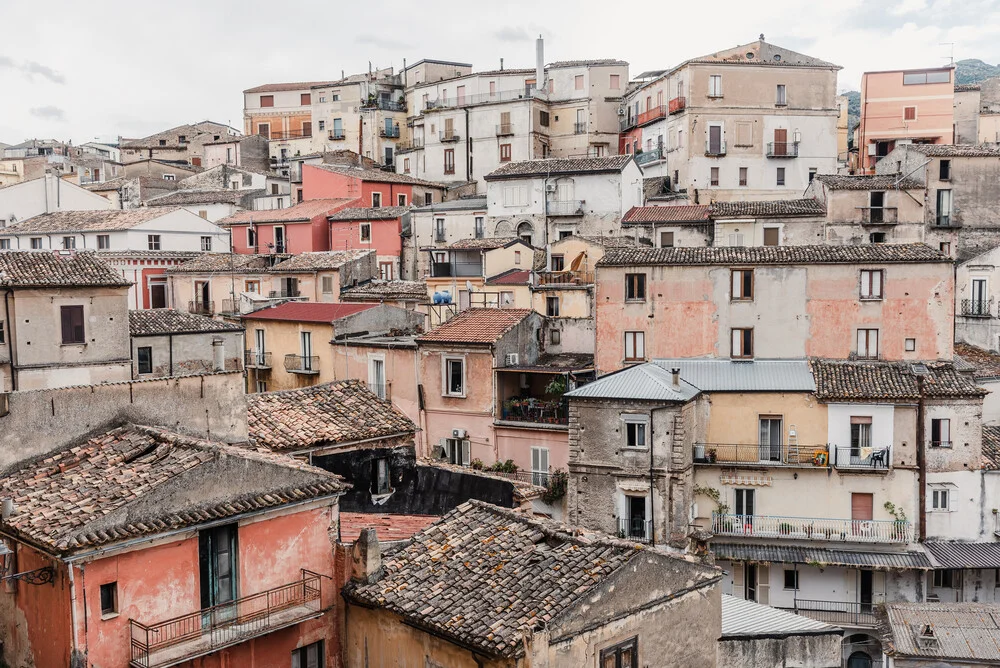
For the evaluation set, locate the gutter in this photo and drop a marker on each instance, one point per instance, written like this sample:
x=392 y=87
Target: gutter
x=10 y=340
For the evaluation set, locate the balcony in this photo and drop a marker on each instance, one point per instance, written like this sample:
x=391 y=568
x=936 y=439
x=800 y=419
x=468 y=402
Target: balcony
x=839 y=613
x=783 y=149
x=626 y=124
x=753 y=454
x=456 y=269
x=201 y=308
x=184 y=638
x=412 y=145
x=647 y=157
x=384 y=104
x=812 y=528
x=279 y=135
x=879 y=215
x=977 y=308
x=254 y=359
x=486 y=98
x=651 y=115
x=389 y=133
x=445 y=136
x=283 y=293
x=381 y=390
x=535 y=411
x=715 y=148
x=636 y=529
x=568 y=207
x=564 y=278
x=579 y=128
x=677 y=105
x=304 y=364
x=505 y=130
x=336 y=135
x=864 y=459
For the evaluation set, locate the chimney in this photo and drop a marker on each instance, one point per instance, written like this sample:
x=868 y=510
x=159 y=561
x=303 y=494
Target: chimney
x=218 y=355
x=8 y=509
x=501 y=64
x=675 y=378
x=366 y=557
x=539 y=63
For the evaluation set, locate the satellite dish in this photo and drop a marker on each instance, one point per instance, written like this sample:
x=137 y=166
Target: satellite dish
x=468 y=285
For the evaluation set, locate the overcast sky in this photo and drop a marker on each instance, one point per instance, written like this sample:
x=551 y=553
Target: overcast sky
x=72 y=70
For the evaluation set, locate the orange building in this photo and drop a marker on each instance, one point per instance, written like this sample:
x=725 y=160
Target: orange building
x=142 y=547
x=279 y=111
x=904 y=106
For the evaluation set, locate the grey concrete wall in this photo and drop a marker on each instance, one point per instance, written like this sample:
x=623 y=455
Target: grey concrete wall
x=381 y=319
x=359 y=270
x=192 y=353
x=816 y=651
x=41 y=421
x=522 y=339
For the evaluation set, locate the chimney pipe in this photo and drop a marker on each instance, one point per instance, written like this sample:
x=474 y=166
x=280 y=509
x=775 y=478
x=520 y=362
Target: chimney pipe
x=675 y=378
x=539 y=63
x=501 y=64
x=8 y=508
x=218 y=355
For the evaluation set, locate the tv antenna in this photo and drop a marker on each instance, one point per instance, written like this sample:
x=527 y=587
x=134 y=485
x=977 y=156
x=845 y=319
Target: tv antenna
x=951 y=55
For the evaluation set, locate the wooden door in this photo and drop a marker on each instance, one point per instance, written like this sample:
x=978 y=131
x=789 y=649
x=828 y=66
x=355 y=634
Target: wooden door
x=780 y=142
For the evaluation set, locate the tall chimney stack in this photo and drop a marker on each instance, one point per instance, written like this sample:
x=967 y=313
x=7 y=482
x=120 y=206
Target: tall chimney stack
x=539 y=63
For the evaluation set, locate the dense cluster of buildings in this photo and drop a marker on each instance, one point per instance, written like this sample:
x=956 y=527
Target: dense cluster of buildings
x=551 y=366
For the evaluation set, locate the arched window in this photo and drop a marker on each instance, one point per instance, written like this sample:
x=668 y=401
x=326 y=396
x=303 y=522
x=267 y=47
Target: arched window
x=504 y=229
x=859 y=660
x=525 y=231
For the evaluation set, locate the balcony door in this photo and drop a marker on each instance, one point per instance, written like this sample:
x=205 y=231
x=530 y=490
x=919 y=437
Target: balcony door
x=862 y=506
x=217 y=550
x=980 y=297
x=866 y=591
x=305 y=343
x=259 y=346
x=636 y=509
x=770 y=438
x=750 y=582
x=877 y=203
x=780 y=141
x=745 y=501
x=715 y=139
x=279 y=240
x=376 y=375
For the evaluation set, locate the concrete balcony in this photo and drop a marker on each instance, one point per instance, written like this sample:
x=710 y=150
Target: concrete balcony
x=651 y=115
x=447 y=137
x=879 y=215
x=257 y=359
x=677 y=105
x=812 y=528
x=201 y=308
x=569 y=207
x=757 y=455
x=715 y=148
x=304 y=364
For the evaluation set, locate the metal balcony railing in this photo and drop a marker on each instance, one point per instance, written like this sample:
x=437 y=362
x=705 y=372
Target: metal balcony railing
x=871 y=459
x=783 y=149
x=715 y=148
x=755 y=454
x=230 y=306
x=812 y=528
x=283 y=294
x=390 y=133
x=649 y=156
x=411 y=145
x=879 y=215
x=446 y=136
x=386 y=105
x=381 y=390
x=569 y=207
x=257 y=359
x=977 y=308
x=290 y=134
x=505 y=129
x=677 y=105
x=840 y=613
x=173 y=641
x=485 y=98
x=626 y=124
x=535 y=411
x=653 y=114
x=201 y=308
x=306 y=364
x=636 y=529
x=564 y=278
x=579 y=128
x=336 y=135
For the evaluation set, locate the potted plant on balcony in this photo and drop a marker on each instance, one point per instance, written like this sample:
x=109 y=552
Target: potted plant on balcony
x=784 y=528
x=712 y=454
x=899 y=525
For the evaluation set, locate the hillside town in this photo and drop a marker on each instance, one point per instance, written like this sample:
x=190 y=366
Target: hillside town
x=451 y=365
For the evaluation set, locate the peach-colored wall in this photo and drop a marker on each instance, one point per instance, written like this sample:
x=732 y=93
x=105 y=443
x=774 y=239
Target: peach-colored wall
x=39 y=627
x=516 y=443
x=474 y=412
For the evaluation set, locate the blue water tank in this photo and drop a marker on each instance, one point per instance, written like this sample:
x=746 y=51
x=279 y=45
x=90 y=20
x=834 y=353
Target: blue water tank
x=445 y=297
x=438 y=299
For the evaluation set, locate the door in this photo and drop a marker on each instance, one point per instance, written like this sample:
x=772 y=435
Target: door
x=463 y=300
x=306 y=346
x=157 y=295
x=449 y=128
x=859 y=660
x=715 y=139
x=877 y=202
x=750 y=590
x=636 y=516
x=259 y=346
x=745 y=502
x=460 y=94
x=861 y=513
x=780 y=142
x=770 y=438
x=979 y=297
x=865 y=591
x=279 y=240
x=217 y=550
x=539 y=466
x=388 y=156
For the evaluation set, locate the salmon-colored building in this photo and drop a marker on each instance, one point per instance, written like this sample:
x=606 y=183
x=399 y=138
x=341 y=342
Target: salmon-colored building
x=377 y=229
x=302 y=228
x=142 y=547
x=371 y=187
x=874 y=301
x=913 y=106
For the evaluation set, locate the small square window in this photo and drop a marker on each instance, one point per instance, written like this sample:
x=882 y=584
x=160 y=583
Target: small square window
x=555 y=336
x=153 y=241
x=666 y=239
x=944 y=579
x=635 y=287
x=911 y=345
x=876 y=238
x=103 y=241
x=635 y=430
x=109 y=598
x=939 y=499
x=791 y=579
x=206 y=243
x=36 y=243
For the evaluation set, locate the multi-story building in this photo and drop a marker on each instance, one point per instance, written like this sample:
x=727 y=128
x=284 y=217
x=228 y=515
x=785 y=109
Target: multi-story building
x=184 y=143
x=371 y=187
x=903 y=107
x=280 y=112
x=379 y=229
x=167 y=343
x=45 y=194
x=753 y=121
x=302 y=228
x=458 y=274
x=439 y=226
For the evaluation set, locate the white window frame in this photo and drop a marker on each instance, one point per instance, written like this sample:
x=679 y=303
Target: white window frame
x=638 y=343
x=372 y=379
x=635 y=419
x=780 y=95
x=539 y=465
x=942 y=498
x=446 y=360
x=401 y=199
x=737 y=350
x=206 y=243
x=715 y=85
x=251 y=237
x=376 y=196
x=870 y=288
x=864 y=343
x=464 y=457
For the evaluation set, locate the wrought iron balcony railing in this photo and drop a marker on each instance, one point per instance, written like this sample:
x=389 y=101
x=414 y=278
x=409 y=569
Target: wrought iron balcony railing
x=783 y=149
x=305 y=364
x=535 y=411
x=283 y=294
x=381 y=390
x=201 y=308
x=840 y=613
x=649 y=156
x=386 y=105
x=872 y=459
x=390 y=133
x=754 y=454
x=579 y=128
x=336 y=135
x=257 y=359
x=812 y=528
x=636 y=529
x=977 y=308
x=625 y=124
x=715 y=148
x=652 y=114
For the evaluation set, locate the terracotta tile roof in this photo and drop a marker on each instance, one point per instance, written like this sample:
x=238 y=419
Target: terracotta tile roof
x=482 y=576
x=964 y=88
x=375 y=175
x=482 y=244
x=764 y=54
x=369 y=213
x=301 y=212
x=110 y=184
x=667 y=214
x=386 y=290
x=188 y=197
x=136 y=481
x=88 y=221
x=279 y=87
x=991 y=447
x=610 y=242
x=511 y=277
x=330 y=414
x=889 y=381
x=584 y=63
x=723 y=255
x=29 y=269
x=955 y=150
x=153 y=322
x=549 y=166
x=388 y=528
x=476 y=325
x=984 y=363
x=211 y=263
x=764 y=209
x=320 y=260
x=867 y=182
x=321 y=312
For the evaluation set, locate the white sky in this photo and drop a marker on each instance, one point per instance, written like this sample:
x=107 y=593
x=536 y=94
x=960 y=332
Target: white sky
x=103 y=68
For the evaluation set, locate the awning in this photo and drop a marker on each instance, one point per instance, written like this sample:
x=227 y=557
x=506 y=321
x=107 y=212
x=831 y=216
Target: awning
x=964 y=555
x=791 y=554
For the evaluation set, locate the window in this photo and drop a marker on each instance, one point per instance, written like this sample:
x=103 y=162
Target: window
x=335 y=97
x=944 y=170
x=72 y=324
x=742 y=285
x=772 y=236
x=779 y=96
x=439 y=229
x=380 y=471
x=479 y=227
x=406 y=165
x=517 y=257
x=743 y=176
x=745 y=502
x=153 y=241
x=4 y=244
x=543 y=119
x=203 y=213
x=454 y=377
x=714 y=178
x=862 y=505
x=635 y=430
x=780 y=179
x=251 y=238
x=741 y=342
x=3 y=336
x=144 y=359
x=457 y=451
x=910 y=345
x=321 y=124
x=109 y=599
x=868 y=344
x=622 y=655
x=715 y=85
x=376 y=200
x=36 y=243
x=812 y=174
x=69 y=242
x=169 y=177
x=635 y=287
x=504 y=152
x=267 y=100
x=206 y=243
x=876 y=238
x=736 y=239
x=552 y=307
x=252 y=286
x=328 y=285
x=558 y=262
x=555 y=337
x=261 y=386
x=635 y=346
x=449 y=161
x=578 y=82
x=912 y=78
x=310 y=656
x=940 y=499
x=940 y=433
x=871 y=283
x=428 y=199
x=944 y=208
x=539 y=466
x=305 y=99
x=666 y=239
x=401 y=199
x=366 y=232
x=791 y=579
x=861 y=434
x=616 y=82
x=909 y=113
x=944 y=579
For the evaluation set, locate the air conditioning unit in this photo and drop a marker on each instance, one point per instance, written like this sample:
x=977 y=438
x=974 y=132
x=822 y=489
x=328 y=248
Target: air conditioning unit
x=510 y=359
x=550 y=187
x=871 y=149
x=458 y=433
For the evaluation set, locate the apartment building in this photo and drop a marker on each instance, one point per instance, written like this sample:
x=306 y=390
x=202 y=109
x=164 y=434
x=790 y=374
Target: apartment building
x=167 y=343
x=46 y=194
x=184 y=143
x=458 y=274
x=750 y=122
x=280 y=112
x=379 y=229
x=870 y=208
x=439 y=226
x=902 y=107
x=302 y=228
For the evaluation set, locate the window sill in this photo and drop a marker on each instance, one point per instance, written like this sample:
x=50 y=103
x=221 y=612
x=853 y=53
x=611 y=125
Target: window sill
x=635 y=301
x=109 y=615
x=74 y=345
x=453 y=396
x=870 y=299
x=714 y=97
x=744 y=300
x=634 y=448
x=634 y=361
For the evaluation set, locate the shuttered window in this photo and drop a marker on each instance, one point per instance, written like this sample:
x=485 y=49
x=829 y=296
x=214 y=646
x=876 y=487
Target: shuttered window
x=862 y=506
x=72 y=324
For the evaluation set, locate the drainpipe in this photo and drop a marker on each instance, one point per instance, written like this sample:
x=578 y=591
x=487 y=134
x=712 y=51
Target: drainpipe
x=170 y=345
x=652 y=488
x=10 y=340
x=921 y=463
x=72 y=610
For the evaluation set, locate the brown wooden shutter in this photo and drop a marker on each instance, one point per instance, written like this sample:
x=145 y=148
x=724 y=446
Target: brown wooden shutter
x=780 y=141
x=67 y=325
x=770 y=236
x=862 y=506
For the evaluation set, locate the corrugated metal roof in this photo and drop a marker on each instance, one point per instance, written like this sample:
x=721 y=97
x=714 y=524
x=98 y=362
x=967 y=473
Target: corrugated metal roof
x=968 y=632
x=791 y=554
x=964 y=555
x=646 y=382
x=748 y=619
x=722 y=375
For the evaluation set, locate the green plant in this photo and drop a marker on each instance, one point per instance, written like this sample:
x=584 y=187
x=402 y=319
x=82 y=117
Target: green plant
x=710 y=492
x=556 y=386
x=895 y=511
x=555 y=487
x=503 y=467
x=784 y=528
x=477 y=464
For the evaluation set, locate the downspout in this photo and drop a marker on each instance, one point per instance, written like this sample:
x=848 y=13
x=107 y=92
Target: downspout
x=170 y=345
x=10 y=340
x=72 y=611
x=921 y=463
x=652 y=488
x=468 y=149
